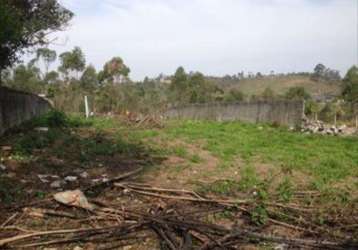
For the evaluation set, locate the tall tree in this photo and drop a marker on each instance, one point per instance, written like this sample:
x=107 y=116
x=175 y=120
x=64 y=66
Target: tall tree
x=47 y=55
x=26 y=23
x=322 y=72
x=72 y=61
x=179 y=85
x=313 y=107
x=179 y=81
x=89 y=78
x=115 y=70
x=350 y=85
x=26 y=78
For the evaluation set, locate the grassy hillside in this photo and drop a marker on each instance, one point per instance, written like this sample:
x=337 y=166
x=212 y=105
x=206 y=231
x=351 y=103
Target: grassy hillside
x=279 y=84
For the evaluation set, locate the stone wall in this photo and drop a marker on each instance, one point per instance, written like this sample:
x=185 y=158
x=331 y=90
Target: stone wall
x=282 y=112
x=17 y=107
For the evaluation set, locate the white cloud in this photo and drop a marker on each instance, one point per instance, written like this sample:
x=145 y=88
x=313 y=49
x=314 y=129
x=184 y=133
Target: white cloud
x=215 y=36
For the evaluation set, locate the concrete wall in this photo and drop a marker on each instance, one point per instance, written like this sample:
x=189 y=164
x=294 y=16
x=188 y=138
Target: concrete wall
x=288 y=113
x=17 y=107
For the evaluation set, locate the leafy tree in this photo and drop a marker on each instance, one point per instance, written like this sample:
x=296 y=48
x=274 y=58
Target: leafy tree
x=297 y=93
x=89 y=78
x=26 y=78
x=314 y=108
x=350 y=85
x=199 y=90
x=337 y=110
x=332 y=75
x=321 y=72
x=179 y=79
x=179 y=85
x=5 y=75
x=47 y=56
x=26 y=23
x=114 y=71
x=234 y=95
x=333 y=110
x=268 y=94
x=72 y=61
x=51 y=77
x=191 y=88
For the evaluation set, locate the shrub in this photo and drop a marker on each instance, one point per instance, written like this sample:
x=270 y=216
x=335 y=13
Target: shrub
x=53 y=119
x=56 y=119
x=297 y=93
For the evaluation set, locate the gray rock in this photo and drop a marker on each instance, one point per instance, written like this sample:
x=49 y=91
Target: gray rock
x=84 y=175
x=56 y=184
x=71 y=178
x=74 y=198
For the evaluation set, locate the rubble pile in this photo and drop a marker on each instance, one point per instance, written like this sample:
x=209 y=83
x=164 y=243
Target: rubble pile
x=319 y=127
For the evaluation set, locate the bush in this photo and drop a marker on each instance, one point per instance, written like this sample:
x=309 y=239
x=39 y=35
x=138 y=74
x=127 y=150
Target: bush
x=53 y=119
x=56 y=119
x=234 y=96
x=297 y=93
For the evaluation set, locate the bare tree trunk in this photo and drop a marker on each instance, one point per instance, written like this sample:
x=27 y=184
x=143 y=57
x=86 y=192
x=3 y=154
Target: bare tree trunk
x=315 y=116
x=357 y=121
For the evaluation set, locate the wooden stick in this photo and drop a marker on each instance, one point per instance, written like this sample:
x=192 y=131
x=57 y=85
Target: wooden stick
x=8 y=220
x=228 y=202
x=12 y=228
x=131 y=185
x=297 y=228
x=3 y=242
x=162 y=235
x=290 y=241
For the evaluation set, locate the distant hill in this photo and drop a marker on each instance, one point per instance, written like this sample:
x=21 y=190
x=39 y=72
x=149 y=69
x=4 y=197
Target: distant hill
x=279 y=84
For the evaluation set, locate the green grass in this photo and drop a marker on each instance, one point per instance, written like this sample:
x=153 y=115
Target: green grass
x=196 y=159
x=180 y=151
x=326 y=158
x=247 y=182
x=64 y=140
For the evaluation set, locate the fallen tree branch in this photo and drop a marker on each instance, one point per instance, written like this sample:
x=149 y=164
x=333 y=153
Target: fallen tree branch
x=228 y=203
x=118 y=178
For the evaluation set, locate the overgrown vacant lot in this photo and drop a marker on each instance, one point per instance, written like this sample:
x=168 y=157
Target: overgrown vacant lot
x=282 y=183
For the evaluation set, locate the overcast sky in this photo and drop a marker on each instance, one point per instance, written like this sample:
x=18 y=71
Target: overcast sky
x=216 y=37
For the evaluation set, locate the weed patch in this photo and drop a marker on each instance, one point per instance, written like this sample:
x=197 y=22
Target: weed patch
x=10 y=191
x=195 y=158
x=285 y=190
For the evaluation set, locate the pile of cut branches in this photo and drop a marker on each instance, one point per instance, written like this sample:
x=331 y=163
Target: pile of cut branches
x=177 y=218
